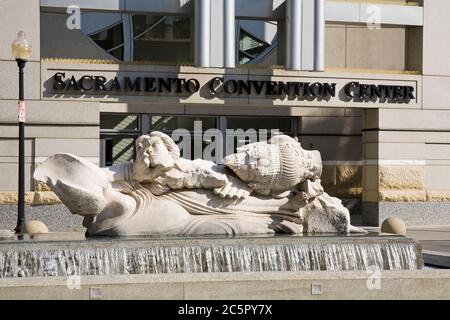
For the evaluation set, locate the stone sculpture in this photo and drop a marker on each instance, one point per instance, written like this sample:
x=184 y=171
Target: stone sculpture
x=267 y=187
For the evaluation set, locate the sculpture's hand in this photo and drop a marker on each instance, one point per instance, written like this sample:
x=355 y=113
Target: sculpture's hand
x=299 y=200
x=234 y=189
x=312 y=189
x=141 y=172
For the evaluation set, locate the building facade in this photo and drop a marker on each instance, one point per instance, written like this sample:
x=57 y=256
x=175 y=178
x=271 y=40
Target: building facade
x=367 y=83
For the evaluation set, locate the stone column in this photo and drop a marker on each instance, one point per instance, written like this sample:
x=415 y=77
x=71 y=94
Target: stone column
x=202 y=36
x=407 y=166
x=229 y=34
x=407 y=151
x=319 y=38
x=293 y=34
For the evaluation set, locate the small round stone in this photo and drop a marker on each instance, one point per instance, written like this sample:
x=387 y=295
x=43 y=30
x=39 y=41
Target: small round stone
x=35 y=226
x=393 y=225
x=6 y=234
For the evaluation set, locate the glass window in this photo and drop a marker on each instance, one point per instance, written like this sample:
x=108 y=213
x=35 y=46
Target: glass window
x=121 y=122
x=111 y=40
x=118 y=149
x=170 y=123
x=282 y=124
x=257 y=41
x=162 y=38
x=118 y=133
x=245 y=130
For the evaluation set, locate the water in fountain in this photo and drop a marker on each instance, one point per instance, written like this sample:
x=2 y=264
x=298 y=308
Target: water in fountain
x=111 y=257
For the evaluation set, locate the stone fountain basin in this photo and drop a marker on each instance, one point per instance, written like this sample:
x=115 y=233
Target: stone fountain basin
x=66 y=255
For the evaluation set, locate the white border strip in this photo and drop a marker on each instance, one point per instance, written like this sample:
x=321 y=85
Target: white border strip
x=376 y=163
x=358 y=12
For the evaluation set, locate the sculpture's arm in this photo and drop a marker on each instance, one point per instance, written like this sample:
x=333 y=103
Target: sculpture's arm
x=196 y=174
x=312 y=189
x=308 y=191
x=234 y=189
x=122 y=172
x=133 y=171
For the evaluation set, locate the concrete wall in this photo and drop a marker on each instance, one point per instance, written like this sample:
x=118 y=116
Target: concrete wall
x=407 y=152
x=407 y=165
x=358 y=47
x=436 y=54
x=399 y=155
x=60 y=42
x=423 y=284
x=50 y=126
x=338 y=136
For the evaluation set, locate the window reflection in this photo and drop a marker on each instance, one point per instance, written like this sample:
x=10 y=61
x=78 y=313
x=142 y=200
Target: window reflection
x=162 y=38
x=111 y=40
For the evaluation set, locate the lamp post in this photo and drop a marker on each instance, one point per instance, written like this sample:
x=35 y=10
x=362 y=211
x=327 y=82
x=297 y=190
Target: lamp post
x=21 y=51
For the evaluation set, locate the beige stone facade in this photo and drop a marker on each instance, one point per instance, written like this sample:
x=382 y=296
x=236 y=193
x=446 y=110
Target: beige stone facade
x=375 y=152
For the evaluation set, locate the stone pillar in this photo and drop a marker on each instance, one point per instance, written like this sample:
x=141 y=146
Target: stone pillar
x=407 y=166
x=305 y=35
x=293 y=34
x=407 y=151
x=319 y=38
x=214 y=25
x=202 y=36
x=229 y=34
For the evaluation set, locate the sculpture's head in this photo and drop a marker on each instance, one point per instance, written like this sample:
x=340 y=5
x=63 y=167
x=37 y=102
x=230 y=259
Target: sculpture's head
x=157 y=150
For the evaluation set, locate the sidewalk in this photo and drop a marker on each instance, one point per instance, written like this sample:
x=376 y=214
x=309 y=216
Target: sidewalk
x=435 y=241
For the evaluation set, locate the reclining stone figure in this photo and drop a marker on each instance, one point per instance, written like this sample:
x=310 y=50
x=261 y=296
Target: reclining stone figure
x=267 y=187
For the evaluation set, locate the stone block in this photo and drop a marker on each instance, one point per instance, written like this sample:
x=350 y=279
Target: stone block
x=9 y=84
x=370 y=196
x=10 y=147
x=335 y=148
x=11 y=197
x=382 y=48
x=398 y=119
x=437 y=177
x=436 y=28
x=16 y=16
x=10 y=174
x=328 y=177
x=402 y=177
x=40 y=186
x=53 y=112
x=349 y=176
x=50 y=131
x=370 y=177
x=402 y=195
x=438 y=196
x=347 y=193
x=82 y=147
x=335 y=46
x=332 y=125
x=45 y=198
x=436 y=92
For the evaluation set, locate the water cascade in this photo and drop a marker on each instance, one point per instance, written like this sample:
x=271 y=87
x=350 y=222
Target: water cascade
x=155 y=256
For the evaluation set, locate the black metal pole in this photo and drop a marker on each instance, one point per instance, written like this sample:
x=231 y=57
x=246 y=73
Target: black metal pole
x=21 y=203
